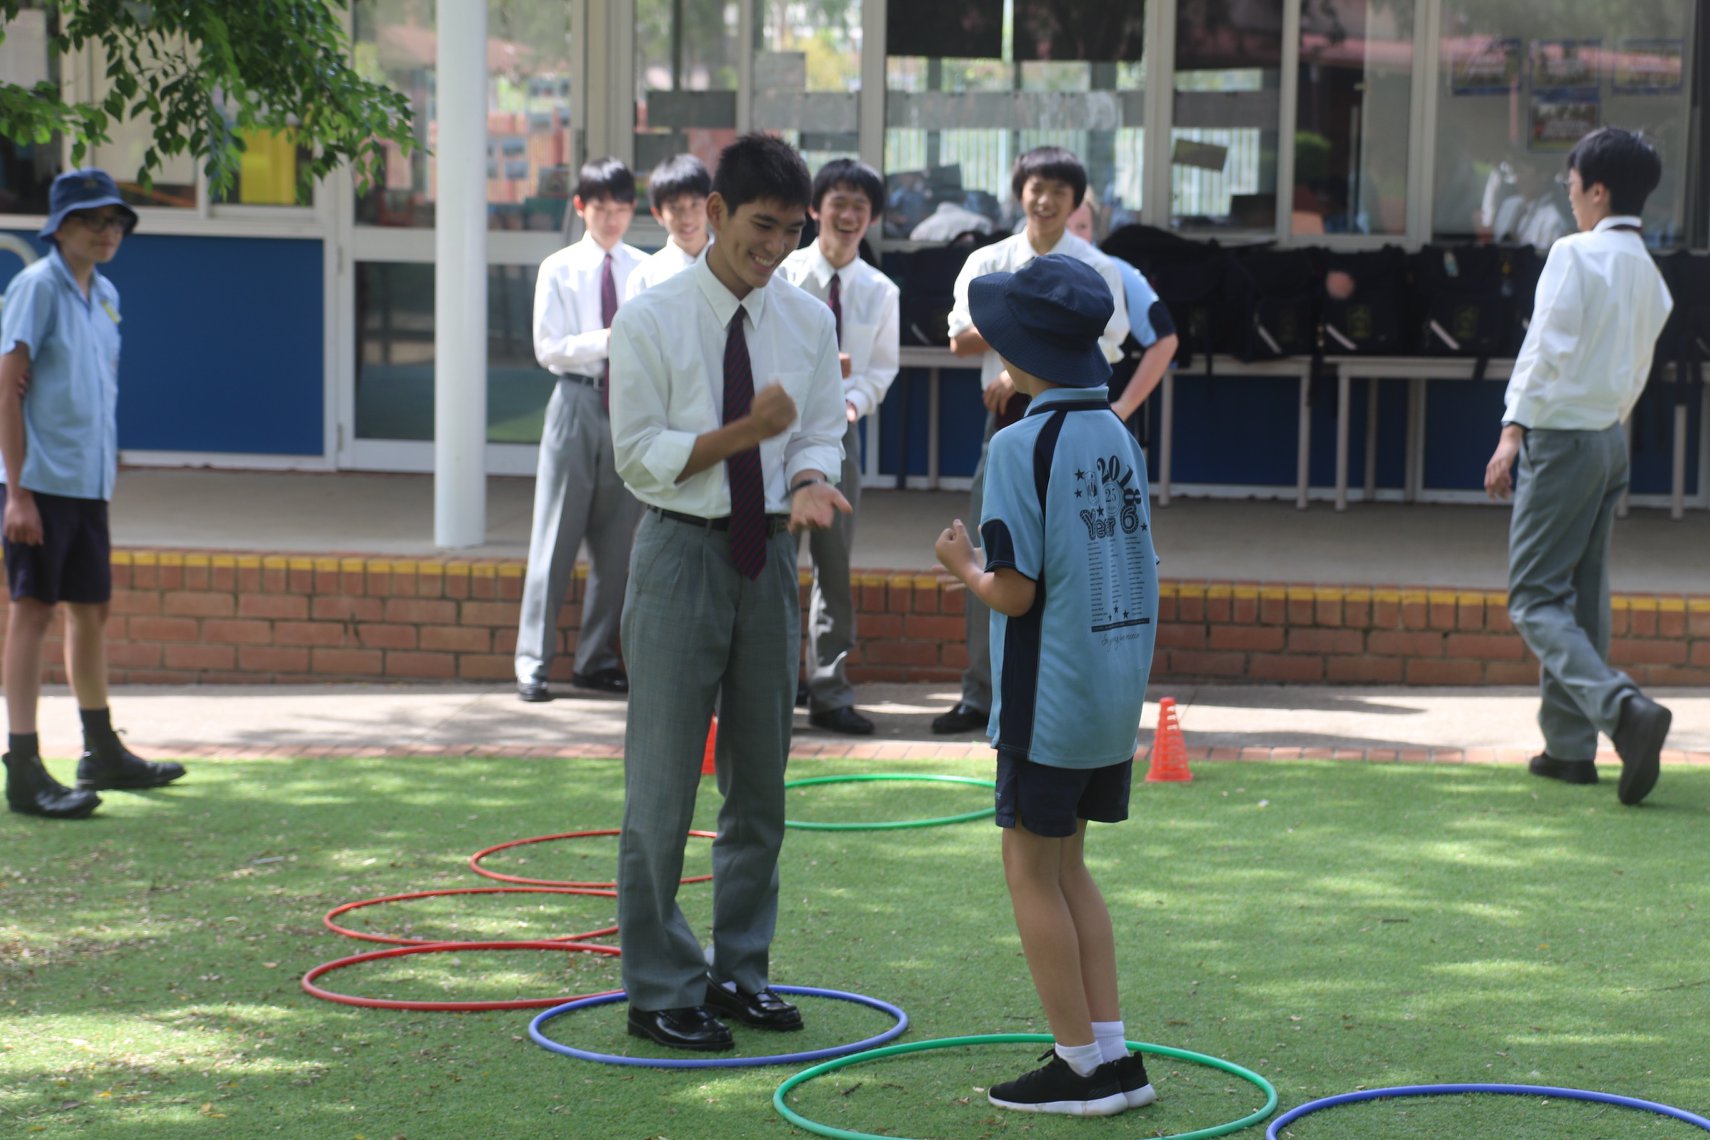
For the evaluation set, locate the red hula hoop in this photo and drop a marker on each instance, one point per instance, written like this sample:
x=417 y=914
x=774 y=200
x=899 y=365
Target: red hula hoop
x=394 y=940
x=475 y=860
x=310 y=987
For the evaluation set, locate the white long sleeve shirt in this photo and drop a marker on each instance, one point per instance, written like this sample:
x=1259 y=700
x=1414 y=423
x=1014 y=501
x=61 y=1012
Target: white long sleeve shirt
x=670 y=260
x=668 y=387
x=1011 y=254
x=1586 y=357
x=872 y=329
x=568 y=333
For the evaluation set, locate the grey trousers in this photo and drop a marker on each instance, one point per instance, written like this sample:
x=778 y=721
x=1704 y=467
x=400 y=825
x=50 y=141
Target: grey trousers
x=696 y=631
x=977 y=618
x=577 y=494
x=831 y=609
x=1558 y=580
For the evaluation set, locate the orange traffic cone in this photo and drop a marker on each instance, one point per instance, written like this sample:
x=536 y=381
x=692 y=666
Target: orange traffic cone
x=1169 y=750
x=709 y=761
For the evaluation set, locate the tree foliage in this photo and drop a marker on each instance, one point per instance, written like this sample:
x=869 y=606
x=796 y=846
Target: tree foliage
x=207 y=73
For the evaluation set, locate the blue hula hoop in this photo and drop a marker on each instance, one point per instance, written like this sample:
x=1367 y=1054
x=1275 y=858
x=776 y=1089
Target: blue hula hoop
x=540 y=1038
x=1293 y=1114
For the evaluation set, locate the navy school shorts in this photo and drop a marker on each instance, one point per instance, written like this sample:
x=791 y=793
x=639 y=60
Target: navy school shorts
x=1052 y=801
x=74 y=563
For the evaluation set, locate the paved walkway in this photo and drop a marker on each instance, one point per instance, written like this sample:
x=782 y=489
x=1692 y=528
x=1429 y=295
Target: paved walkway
x=1218 y=721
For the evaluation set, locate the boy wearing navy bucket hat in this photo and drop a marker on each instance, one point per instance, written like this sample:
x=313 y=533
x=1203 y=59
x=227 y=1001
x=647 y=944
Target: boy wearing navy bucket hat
x=1070 y=576
x=59 y=394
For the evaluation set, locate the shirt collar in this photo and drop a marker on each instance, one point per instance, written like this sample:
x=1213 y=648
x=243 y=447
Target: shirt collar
x=823 y=271
x=671 y=240
x=723 y=301
x=1614 y=220
x=96 y=282
x=1065 y=394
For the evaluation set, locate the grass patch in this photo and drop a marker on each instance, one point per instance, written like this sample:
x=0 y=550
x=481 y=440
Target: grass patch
x=1331 y=926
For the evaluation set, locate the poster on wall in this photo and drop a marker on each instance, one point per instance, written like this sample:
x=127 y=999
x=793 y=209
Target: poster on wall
x=1648 y=66
x=1566 y=65
x=1561 y=120
x=1490 y=67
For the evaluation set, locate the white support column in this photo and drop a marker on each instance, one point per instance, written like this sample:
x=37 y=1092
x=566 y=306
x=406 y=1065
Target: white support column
x=460 y=280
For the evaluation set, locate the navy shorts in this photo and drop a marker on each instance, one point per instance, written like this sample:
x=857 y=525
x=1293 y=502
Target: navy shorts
x=1052 y=801
x=74 y=562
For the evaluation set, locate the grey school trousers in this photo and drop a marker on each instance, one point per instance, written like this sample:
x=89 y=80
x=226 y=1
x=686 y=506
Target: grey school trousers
x=1558 y=580
x=577 y=494
x=977 y=618
x=695 y=631
x=831 y=610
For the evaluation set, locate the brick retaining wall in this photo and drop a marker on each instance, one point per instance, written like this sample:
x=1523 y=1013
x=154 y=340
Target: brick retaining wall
x=181 y=617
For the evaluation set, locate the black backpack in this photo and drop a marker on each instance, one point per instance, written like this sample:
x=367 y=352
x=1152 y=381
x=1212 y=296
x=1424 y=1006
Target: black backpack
x=928 y=289
x=1272 y=298
x=1465 y=299
x=1369 y=321
x=1685 y=338
x=1188 y=278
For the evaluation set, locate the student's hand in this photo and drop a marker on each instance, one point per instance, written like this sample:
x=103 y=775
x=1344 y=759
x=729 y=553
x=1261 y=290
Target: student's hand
x=955 y=550
x=773 y=411
x=849 y=412
x=845 y=363
x=816 y=506
x=1498 y=473
x=23 y=383
x=997 y=396
x=23 y=521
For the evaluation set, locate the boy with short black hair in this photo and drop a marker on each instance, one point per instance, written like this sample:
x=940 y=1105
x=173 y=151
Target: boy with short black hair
x=848 y=197
x=1070 y=577
x=677 y=194
x=726 y=423
x=1601 y=304
x=577 y=492
x=59 y=395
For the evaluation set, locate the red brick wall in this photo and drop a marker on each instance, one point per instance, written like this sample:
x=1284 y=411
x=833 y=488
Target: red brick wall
x=194 y=617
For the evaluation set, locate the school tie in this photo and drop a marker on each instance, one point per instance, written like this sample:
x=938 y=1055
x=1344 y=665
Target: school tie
x=835 y=300
x=747 y=489
x=608 y=310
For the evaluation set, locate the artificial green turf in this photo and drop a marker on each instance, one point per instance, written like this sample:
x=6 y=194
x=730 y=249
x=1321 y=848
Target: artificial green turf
x=1331 y=926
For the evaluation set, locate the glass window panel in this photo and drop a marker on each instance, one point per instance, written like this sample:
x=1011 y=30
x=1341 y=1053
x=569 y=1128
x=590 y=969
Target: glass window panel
x=807 y=77
x=529 y=174
x=1352 y=127
x=267 y=173
x=954 y=124
x=1228 y=110
x=27 y=168
x=395 y=360
x=687 y=55
x=174 y=182
x=1518 y=85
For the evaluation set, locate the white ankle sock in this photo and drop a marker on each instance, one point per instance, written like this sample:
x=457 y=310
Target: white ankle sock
x=1081 y=1058
x=1111 y=1038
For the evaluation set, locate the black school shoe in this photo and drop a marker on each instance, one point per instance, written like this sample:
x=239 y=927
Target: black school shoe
x=118 y=768
x=1057 y=1088
x=690 y=1027
x=1567 y=771
x=1131 y=1078
x=763 y=1010
x=963 y=718
x=31 y=791
x=601 y=681
x=1638 y=741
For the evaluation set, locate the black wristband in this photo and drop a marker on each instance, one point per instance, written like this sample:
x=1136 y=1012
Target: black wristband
x=808 y=482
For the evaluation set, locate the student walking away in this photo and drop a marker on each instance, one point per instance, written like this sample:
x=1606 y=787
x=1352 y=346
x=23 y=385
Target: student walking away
x=577 y=492
x=1049 y=182
x=1600 y=304
x=727 y=423
x=59 y=399
x=1070 y=578
x=848 y=196
x=677 y=194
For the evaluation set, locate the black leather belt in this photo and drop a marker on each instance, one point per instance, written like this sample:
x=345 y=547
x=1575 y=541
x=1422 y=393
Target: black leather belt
x=578 y=378
x=775 y=524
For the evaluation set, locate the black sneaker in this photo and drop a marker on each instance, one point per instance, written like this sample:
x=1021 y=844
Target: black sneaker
x=1131 y=1077
x=1057 y=1088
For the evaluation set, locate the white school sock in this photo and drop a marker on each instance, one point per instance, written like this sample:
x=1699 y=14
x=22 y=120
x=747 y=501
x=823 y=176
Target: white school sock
x=1111 y=1039
x=1081 y=1058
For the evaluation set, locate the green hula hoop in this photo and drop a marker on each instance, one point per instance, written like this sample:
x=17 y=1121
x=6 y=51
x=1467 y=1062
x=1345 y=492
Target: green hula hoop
x=983 y=813
x=806 y=1075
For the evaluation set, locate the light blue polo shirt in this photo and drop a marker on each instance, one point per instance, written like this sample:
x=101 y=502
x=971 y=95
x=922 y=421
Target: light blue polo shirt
x=71 y=426
x=1138 y=299
x=1066 y=506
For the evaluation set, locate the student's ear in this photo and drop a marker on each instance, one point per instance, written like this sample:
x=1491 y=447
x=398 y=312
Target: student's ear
x=813 y=212
x=716 y=212
x=657 y=216
x=576 y=201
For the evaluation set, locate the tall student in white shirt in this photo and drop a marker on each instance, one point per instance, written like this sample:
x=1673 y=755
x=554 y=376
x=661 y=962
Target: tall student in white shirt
x=1049 y=182
x=728 y=423
x=577 y=492
x=1586 y=357
x=848 y=196
x=677 y=194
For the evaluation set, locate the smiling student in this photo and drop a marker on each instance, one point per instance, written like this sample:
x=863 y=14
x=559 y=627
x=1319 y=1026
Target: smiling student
x=677 y=191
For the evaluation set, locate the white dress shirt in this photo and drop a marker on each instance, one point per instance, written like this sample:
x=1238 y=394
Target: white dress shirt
x=1011 y=254
x=871 y=325
x=671 y=260
x=668 y=387
x=568 y=333
x=1586 y=357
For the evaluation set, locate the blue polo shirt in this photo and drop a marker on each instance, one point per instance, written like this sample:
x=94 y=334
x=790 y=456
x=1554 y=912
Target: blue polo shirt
x=71 y=427
x=1142 y=302
x=1066 y=505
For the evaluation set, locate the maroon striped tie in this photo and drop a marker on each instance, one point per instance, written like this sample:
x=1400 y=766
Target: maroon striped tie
x=608 y=310
x=835 y=300
x=747 y=489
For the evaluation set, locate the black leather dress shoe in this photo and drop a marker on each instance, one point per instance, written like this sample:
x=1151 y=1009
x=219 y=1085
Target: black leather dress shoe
x=118 y=768
x=1567 y=771
x=845 y=720
x=963 y=718
x=534 y=692
x=1639 y=741
x=602 y=680
x=31 y=791
x=801 y=694
x=691 y=1027
x=764 y=1010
